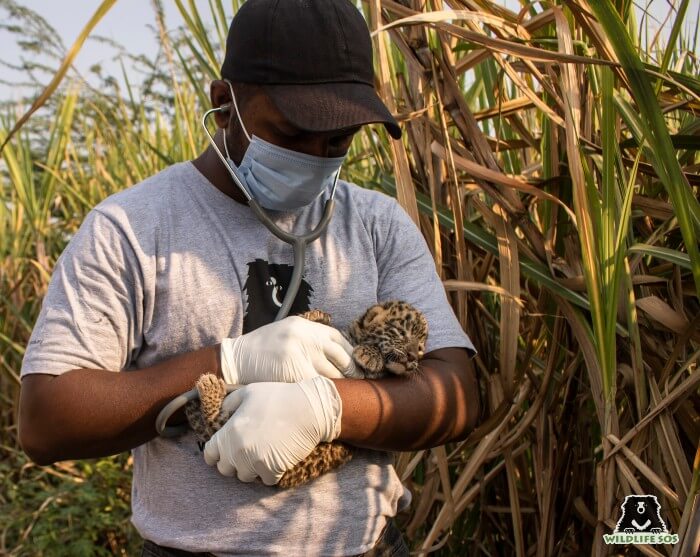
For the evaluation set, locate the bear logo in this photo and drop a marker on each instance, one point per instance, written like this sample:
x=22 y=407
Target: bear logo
x=266 y=287
x=641 y=515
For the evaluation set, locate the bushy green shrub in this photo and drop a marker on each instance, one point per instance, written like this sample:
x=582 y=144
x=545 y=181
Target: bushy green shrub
x=75 y=509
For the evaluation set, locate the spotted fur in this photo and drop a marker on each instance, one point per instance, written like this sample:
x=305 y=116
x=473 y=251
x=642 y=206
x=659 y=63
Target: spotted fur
x=389 y=338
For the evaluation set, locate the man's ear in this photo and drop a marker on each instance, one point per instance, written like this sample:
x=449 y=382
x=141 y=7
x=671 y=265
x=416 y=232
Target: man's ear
x=220 y=94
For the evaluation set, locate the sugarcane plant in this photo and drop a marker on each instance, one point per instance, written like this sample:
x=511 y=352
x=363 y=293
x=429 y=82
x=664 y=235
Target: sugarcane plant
x=550 y=158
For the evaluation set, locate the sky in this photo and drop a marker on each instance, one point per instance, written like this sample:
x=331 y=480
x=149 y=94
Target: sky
x=128 y=23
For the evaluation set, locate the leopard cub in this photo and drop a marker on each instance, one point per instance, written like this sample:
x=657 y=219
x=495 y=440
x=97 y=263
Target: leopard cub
x=388 y=339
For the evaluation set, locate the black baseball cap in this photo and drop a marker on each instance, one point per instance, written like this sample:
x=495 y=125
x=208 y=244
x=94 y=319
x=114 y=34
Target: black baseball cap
x=312 y=57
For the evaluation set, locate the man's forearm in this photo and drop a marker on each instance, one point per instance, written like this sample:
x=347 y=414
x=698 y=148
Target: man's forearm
x=437 y=405
x=87 y=413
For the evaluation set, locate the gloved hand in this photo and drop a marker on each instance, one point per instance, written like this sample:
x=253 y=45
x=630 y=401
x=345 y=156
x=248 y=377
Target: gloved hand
x=274 y=427
x=287 y=351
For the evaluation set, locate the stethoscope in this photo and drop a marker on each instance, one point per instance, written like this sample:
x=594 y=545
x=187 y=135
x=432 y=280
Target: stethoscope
x=298 y=243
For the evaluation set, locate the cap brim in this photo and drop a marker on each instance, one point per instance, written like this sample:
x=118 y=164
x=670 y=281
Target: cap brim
x=320 y=107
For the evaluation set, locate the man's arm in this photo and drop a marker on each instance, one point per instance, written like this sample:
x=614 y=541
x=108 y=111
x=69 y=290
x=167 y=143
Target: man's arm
x=275 y=425
x=86 y=413
x=437 y=405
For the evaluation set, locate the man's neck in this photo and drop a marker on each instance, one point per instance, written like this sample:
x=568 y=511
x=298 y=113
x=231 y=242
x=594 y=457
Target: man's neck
x=213 y=169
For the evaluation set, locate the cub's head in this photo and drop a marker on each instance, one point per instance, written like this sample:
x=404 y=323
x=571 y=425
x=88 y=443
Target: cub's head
x=399 y=330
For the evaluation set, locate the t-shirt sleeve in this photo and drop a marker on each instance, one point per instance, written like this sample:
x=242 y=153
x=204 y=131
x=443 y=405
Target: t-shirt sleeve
x=407 y=272
x=89 y=317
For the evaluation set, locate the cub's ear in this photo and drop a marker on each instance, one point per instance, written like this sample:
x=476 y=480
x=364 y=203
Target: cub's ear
x=373 y=315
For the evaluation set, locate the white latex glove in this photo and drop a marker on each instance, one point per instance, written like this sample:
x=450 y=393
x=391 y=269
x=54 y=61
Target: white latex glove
x=274 y=426
x=287 y=351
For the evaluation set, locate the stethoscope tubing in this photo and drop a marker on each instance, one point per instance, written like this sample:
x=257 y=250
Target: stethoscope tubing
x=298 y=244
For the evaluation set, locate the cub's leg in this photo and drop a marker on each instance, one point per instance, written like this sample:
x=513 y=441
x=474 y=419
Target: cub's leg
x=197 y=422
x=212 y=391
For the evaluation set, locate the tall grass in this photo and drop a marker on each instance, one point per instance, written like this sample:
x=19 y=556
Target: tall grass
x=552 y=165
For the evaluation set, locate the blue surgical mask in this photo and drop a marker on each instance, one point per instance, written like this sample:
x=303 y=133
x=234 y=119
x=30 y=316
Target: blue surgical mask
x=280 y=179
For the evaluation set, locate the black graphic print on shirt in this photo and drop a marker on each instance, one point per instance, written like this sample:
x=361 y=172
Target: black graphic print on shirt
x=266 y=287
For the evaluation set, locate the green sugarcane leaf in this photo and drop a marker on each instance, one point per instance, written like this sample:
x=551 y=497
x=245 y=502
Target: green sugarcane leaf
x=673 y=256
x=655 y=132
x=101 y=11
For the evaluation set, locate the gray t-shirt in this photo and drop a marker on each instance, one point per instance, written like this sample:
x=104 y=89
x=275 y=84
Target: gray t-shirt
x=171 y=265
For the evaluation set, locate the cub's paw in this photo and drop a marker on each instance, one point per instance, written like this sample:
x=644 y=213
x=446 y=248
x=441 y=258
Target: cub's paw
x=369 y=359
x=317 y=316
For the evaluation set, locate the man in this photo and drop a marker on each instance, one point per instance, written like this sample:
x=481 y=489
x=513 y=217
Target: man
x=153 y=285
